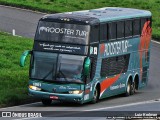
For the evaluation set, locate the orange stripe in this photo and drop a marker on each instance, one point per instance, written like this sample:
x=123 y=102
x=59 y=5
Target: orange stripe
x=102 y=48
x=108 y=82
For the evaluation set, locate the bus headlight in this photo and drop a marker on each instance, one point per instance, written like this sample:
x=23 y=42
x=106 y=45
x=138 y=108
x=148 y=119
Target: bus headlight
x=34 y=88
x=75 y=92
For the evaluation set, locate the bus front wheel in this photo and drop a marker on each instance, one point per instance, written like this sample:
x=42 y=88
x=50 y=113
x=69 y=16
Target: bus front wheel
x=95 y=96
x=46 y=101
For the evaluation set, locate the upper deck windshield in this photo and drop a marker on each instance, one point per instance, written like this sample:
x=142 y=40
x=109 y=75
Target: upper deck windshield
x=62 y=32
x=57 y=67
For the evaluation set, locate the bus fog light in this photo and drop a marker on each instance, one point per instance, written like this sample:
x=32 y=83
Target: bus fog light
x=75 y=92
x=34 y=88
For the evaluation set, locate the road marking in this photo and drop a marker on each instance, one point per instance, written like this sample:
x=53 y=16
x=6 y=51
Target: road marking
x=24 y=9
x=125 y=105
x=20 y=105
x=155 y=41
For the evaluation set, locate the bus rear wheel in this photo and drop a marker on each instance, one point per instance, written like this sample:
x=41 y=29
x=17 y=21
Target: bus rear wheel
x=95 y=96
x=133 y=88
x=46 y=101
x=129 y=89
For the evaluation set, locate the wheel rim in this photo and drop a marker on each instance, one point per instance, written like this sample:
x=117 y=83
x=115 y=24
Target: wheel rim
x=128 y=88
x=95 y=94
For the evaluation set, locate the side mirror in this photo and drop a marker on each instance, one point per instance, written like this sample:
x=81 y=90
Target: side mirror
x=23 y=57
x=87 y=65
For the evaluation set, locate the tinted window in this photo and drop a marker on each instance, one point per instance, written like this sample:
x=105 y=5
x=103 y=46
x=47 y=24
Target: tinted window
x=112 y=30
x=103 y=32
x=143 y=20
x=43 y=65
x=136 y=27
x=128 y=28
x=120 y=29
x=69 y=67
x=54 y=67
x=94 y=34
x=93 y=67
x=150 y=19
x=114 y=65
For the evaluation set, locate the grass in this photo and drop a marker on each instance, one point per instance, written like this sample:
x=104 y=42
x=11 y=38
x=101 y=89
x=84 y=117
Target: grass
x=13 y=78
x=54 y=6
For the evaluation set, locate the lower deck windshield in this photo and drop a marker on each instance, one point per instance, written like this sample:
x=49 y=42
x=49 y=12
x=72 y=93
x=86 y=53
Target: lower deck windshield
x=56 y=67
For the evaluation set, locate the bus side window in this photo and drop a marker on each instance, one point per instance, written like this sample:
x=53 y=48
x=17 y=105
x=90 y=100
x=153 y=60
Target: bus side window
x=120 y=29
x=136 y=27
x=112 y=30
x=114 y=65
x=93 y=67
x=143 y=20
x=103 y=32
x=128 y=28
x=104 y=67
x=94 y=35
x=150 y=19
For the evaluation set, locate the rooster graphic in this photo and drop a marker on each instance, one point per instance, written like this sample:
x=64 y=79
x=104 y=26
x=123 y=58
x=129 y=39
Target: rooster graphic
x=144 y=43
x=43 y=29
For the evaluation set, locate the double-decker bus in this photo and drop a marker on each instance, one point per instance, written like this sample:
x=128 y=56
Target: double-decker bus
x=84 y=56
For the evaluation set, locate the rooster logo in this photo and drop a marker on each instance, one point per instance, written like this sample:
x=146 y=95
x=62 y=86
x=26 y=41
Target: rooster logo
x=43 y=29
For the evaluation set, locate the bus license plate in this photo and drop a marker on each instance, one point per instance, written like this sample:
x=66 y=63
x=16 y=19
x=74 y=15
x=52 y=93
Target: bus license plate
x=54 y=97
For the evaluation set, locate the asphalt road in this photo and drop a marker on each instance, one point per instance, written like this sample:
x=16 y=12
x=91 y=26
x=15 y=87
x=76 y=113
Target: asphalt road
x=24 y=22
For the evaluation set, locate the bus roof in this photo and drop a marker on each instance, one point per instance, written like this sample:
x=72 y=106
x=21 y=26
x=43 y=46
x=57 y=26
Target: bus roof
x=101 y=14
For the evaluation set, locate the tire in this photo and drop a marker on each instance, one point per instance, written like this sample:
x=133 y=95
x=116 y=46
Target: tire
x=128 y=90
x=46 y=102
x=95 y=96
x=133 y=89
x=136 y=85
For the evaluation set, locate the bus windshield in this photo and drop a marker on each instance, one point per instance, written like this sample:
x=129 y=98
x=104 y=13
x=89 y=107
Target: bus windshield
x=62 y=32
x=57 y=67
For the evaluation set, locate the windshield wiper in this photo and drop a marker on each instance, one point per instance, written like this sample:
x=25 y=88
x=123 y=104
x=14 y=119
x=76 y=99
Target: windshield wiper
x=62 y=75
x=48 y=73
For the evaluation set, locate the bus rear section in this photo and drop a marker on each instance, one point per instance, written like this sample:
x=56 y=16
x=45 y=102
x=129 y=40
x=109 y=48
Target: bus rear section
x=124 y=55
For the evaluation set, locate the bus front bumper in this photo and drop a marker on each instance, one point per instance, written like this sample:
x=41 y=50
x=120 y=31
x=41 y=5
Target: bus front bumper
x=78 y=98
